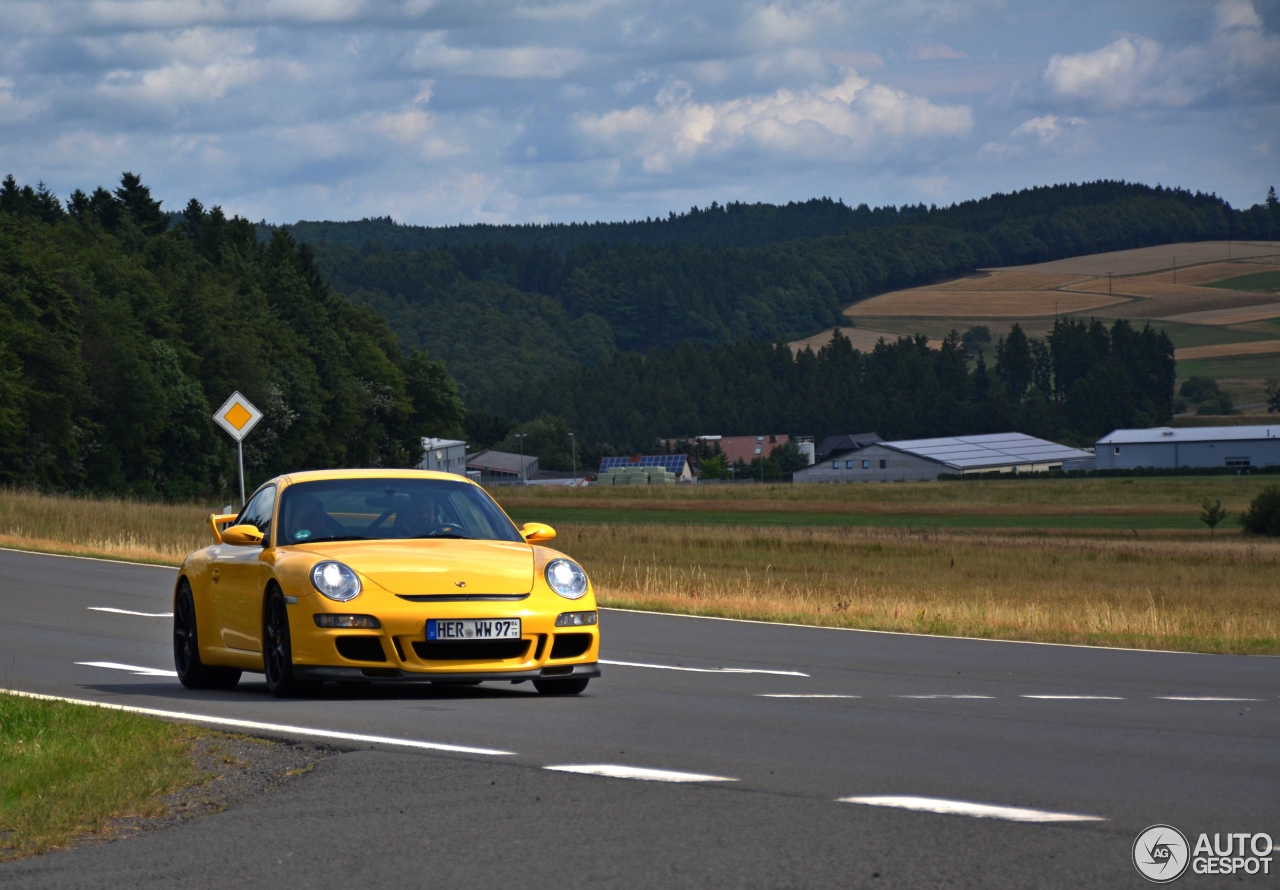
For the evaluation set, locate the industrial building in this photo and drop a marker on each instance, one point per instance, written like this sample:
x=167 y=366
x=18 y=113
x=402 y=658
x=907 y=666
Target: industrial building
x=925 y=459
x=499 y=467
x=444 y=455
x=1205 y=446
x=834 y=446
x=675 y=464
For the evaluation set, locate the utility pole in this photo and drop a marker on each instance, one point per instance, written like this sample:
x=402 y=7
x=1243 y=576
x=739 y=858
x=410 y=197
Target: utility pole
x=1175 y=270
x=521 y=473
x=1108 y=284
x=573 y=441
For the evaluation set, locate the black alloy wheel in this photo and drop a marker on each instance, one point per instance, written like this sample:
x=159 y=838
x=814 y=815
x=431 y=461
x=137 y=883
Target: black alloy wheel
x=571 y=686
x=193 y=673
x=277 y=651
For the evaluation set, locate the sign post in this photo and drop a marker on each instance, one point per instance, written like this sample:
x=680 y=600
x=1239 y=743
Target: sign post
x=237 y=416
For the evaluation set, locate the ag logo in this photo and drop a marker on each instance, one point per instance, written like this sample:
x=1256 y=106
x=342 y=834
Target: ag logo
x=1161 y=854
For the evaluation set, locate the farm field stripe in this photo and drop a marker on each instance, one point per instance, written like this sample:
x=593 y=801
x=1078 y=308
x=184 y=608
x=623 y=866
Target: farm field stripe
x=672 y=667
x=266 y=727
x=1202 y=698
x=1077 y=697
x=131 y=668
x=967 y=808
x=616 y=771
x=114 y=611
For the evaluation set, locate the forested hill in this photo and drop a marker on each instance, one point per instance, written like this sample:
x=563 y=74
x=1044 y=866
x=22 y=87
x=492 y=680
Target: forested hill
x=502 y=315
x=752 y=225
x=120 y=333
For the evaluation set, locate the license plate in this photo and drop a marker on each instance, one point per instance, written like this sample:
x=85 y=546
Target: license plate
x=473 y=629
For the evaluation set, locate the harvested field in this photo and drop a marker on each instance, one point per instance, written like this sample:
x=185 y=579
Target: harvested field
x=863 y=339
x=1238 y=315
x=1192 y=299
x=1002 y=281
x=1257 y=347
x=1211 y=273
x=995 y=304
x=1152 y=259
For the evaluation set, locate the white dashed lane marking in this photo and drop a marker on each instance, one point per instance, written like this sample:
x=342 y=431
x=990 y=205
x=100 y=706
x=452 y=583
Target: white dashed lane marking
x=946 y=696
x=1077 y=697
x=1202 y=698
x=131 y=668
x=127 y=612
x=802 y=695
x=269 y=727
x=672 y=667
x=966 y=808
x=616 y=771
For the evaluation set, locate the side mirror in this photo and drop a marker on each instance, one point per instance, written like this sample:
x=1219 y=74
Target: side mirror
x=537 y=533
x=244 y=535
x=217 y=522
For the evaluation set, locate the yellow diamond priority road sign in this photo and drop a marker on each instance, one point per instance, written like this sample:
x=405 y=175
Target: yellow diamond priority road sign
x=237 y=416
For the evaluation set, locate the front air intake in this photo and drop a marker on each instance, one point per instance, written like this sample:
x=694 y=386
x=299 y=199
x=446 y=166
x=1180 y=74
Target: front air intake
x=470 y=650
x=361 y=648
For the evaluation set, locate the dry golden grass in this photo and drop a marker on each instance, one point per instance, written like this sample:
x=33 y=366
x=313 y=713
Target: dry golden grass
x=1260 y=312
x=1205 y=595
x=121 y=529
x=1257 y=347
x=1212 y=272
x=932 y=302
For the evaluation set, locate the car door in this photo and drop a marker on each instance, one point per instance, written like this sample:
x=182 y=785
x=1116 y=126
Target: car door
x=240 y=578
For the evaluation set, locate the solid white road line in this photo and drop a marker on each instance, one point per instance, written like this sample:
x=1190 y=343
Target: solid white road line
x=123 y=562
x=127 y=612
x=801 y=695
x=965 y=808
x=946 y=696
x=131 y=668
x=672 y=667
x=1201 y=698
x=267 y=727
x=614 y=771
x=1076 y=697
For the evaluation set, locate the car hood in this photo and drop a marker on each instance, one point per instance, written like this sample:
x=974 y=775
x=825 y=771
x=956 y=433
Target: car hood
x=425 y=567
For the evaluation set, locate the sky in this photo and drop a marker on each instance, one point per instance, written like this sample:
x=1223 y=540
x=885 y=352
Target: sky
x=438 y=112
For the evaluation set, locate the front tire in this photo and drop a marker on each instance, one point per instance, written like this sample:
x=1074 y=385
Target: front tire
x=573 y=686
x=192 y=672
x=277 y=651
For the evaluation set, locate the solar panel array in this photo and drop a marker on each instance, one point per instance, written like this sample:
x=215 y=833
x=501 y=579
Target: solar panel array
x=673 y=463
x=994 y=450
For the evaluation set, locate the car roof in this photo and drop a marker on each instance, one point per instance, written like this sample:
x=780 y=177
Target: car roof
x=372 y=473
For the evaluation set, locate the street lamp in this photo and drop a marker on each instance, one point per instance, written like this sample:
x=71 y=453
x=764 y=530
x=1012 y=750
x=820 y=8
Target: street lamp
x=574 y=443
x=520 y=471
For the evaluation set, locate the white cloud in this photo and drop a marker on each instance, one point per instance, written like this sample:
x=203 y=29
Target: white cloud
x=1238 y=59
x=179 y=84
x=853 y=119
x=432 y=53
x=934 y=53
x=1049 y=127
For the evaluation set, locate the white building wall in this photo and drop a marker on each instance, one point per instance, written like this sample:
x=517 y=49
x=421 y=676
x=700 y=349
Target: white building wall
x=875 y=463
x=1171 y=455
x=444 y=456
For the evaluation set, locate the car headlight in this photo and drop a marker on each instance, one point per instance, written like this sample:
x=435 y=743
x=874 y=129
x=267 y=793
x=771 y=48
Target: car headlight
x=335 y=581
x=566 y=578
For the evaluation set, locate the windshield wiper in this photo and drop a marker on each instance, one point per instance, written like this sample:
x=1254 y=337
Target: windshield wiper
x=335 y=538
x=445 y=535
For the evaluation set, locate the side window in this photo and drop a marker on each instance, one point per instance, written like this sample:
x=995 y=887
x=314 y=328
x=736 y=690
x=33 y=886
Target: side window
x=259 y=511
x=835 y=465
x=866 y=465
x=884 y=464
x=848 y=465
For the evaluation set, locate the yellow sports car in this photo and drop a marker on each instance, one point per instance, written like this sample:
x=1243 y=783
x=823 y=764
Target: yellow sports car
x=361 y=575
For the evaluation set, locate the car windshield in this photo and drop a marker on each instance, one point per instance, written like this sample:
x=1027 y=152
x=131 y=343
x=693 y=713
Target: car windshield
x=378 y=509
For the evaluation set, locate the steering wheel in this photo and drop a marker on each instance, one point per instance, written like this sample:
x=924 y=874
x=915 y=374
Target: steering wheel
x=441 y=528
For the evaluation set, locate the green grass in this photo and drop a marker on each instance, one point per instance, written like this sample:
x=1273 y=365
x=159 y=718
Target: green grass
x=1260 y=366
x=1264 y=282
x=68 y=769
x=1184 y=335
x=790 y=519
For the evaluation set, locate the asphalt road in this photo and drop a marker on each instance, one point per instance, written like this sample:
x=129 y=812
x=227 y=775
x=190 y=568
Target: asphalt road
x=1131 y=738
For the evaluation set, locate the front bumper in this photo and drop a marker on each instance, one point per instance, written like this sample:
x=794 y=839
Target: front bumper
x=395 y=675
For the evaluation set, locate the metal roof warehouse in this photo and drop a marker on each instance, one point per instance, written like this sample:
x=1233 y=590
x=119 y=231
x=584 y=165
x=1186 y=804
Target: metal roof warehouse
x=1205 y=446
x=922 y=459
